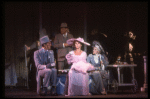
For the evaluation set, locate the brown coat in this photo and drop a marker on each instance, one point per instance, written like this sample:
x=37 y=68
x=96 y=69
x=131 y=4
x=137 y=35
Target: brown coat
x=58 y=43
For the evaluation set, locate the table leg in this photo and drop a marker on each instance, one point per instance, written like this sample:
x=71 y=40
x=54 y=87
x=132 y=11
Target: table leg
x=121 y=75
x=132 y=72
x=108 y=80
x=118 y=69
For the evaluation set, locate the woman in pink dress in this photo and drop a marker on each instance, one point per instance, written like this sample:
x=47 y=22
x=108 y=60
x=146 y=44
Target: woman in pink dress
x=78 y=76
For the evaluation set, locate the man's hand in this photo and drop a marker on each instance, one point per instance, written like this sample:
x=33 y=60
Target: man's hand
x=65 y=44
x=50 y=65
x=101 y=62
x=106 y=53
x=28 y=48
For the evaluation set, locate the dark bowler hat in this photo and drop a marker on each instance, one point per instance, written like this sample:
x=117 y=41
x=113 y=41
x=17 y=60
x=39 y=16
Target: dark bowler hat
x=63 y=25
x=44 y=39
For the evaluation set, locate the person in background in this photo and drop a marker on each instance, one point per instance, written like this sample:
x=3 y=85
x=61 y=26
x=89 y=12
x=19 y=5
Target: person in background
x=128 y=56
x=32 y=67
x=129 y=47
x=62 y=47
x=33 y=45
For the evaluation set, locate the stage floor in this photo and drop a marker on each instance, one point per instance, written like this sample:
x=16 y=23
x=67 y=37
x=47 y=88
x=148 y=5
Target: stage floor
x=26 y=93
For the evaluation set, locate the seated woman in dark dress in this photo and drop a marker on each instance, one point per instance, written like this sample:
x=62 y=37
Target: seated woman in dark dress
x=100 y=76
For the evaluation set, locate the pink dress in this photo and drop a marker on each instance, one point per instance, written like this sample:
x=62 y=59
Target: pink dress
x=78 y=76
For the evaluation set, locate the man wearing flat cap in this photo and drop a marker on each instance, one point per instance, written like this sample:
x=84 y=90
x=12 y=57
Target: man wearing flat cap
x=62 y=47
x=44 y=62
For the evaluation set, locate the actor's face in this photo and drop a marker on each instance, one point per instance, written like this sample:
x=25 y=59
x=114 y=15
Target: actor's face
x=130 y=34
x=63 y=30
x=78 y=45
x=130 y=47
x=95 y=50
x=38 y=43
x=48 y=45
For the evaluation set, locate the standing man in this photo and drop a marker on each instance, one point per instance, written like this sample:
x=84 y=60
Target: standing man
x=44 y=62
x=62 y=46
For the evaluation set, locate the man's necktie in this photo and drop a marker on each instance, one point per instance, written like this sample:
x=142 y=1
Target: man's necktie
x=46 y=57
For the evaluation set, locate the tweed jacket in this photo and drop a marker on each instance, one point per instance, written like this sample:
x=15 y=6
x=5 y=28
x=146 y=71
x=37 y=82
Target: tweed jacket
x=58 y=44
x=41 y=59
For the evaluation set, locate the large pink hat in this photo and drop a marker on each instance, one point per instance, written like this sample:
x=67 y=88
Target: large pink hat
x=70 y=41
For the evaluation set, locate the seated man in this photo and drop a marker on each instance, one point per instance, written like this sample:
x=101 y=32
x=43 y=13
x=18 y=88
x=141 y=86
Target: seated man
x=44 y=62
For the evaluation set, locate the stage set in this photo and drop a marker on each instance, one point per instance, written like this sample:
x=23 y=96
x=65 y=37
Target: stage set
x=121 y=71
x=117 y=88
x=121 y=80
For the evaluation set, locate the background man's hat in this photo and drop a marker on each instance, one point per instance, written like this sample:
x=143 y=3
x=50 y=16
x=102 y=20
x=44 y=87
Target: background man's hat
x=44 y=39
x=63 y=25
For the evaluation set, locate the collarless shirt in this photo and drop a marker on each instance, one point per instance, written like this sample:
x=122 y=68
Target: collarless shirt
x=65 y=35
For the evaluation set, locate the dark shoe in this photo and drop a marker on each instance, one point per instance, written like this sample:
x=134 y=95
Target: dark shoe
x=53 y=91
x=54 y=94
x=43 y=92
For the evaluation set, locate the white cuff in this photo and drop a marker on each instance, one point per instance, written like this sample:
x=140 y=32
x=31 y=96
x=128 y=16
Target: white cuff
x=63 y=45
x=45 y=67
x=52 y=64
